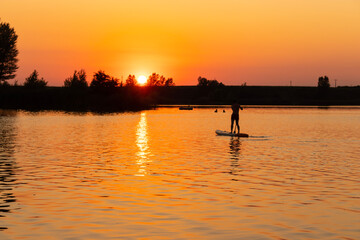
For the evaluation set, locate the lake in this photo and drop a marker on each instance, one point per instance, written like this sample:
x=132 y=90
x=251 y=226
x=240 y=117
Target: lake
x=164 y=174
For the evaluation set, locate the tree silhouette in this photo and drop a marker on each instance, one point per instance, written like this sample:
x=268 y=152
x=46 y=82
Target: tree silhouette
x=33 y=81
x=203 y=82
x=8 y=52
x=323 y=82
x=78 y=80
x=159 y=80
x=153 y=80
x=102 y=80
x=169 y=82
x=131 y=81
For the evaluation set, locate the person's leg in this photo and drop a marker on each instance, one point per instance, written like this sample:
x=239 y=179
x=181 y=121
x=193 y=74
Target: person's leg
x=232 y=124
x=237 y=125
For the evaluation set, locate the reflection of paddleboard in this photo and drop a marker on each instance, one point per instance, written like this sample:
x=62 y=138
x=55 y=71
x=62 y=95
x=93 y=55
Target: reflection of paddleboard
x=226 y=133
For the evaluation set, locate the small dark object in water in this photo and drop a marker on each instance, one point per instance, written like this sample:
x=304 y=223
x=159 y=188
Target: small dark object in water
x=223 y=111
x=216 y=110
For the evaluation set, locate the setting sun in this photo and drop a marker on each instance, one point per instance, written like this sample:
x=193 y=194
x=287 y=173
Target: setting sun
x=142 y=79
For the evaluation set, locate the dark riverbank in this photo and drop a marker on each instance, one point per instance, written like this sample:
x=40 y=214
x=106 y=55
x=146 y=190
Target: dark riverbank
x=138 y=98
x=259 y=95
x=67 y=99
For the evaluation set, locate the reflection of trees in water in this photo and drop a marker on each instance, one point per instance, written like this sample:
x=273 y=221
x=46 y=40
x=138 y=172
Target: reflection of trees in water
x=235 y=152
x=7 y=162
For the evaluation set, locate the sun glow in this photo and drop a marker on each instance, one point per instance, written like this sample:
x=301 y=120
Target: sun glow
x=142 y=79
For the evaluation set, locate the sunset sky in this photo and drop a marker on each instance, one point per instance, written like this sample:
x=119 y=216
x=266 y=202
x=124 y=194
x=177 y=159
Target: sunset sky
x=260 y=42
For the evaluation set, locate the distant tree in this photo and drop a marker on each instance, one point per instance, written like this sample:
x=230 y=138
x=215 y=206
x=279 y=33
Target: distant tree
x=78 y=80
x=131 y=81
x=8 y=52
x=323 y=82
x=33 y=81
x=102 y=80
x=169 y=82
x=203 y=82
x=153 y=80
x=159 y=80
x=215 y=83
x=114 y=82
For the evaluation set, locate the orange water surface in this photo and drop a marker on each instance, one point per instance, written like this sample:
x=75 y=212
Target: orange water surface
x=164 y=174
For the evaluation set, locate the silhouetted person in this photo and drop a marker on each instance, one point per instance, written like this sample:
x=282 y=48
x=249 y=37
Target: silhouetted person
x=235 y=115
x=223 y=111
x=216 y=110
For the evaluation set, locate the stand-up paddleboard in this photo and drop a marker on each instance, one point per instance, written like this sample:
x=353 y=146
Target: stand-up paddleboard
x=226 y=133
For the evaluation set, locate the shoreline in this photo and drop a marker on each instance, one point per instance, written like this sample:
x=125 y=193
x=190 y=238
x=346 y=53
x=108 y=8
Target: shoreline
x=124 y=99
x=261 y=106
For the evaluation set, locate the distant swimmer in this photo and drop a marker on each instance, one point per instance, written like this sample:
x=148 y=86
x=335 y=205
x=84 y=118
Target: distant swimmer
x=235 y=116
x=223 y=111
x=216 y=110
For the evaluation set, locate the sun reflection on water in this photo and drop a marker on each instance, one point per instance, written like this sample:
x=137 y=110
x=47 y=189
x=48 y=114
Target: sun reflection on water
x=143 y=147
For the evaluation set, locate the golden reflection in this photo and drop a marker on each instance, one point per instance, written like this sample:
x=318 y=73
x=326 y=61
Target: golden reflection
x=142 y=144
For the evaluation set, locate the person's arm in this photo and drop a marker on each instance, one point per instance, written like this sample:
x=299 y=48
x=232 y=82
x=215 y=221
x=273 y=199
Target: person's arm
x=241 y=108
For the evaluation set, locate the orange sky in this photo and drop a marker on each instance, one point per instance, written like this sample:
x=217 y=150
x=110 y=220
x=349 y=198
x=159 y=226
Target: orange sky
x=260 y=42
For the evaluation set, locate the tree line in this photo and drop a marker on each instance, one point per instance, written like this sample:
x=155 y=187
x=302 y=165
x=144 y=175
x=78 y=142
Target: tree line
x=8 y=67
x=100 y=80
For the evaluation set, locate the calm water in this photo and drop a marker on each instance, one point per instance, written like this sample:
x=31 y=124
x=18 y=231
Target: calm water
x=164 y=174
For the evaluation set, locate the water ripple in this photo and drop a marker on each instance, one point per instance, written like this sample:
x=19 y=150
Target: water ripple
x=164 y=174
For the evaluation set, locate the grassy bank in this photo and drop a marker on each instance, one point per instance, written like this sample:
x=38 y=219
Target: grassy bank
x=138 y=98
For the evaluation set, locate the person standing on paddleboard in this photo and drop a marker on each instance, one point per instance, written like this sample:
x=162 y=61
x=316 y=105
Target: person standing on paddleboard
x=235 y=116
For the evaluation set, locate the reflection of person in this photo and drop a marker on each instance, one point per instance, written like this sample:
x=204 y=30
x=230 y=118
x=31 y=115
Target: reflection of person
x=235 y=151
x=235 y=146
x=235 y=116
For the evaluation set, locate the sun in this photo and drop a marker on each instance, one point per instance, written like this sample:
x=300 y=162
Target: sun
x=142 y=80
